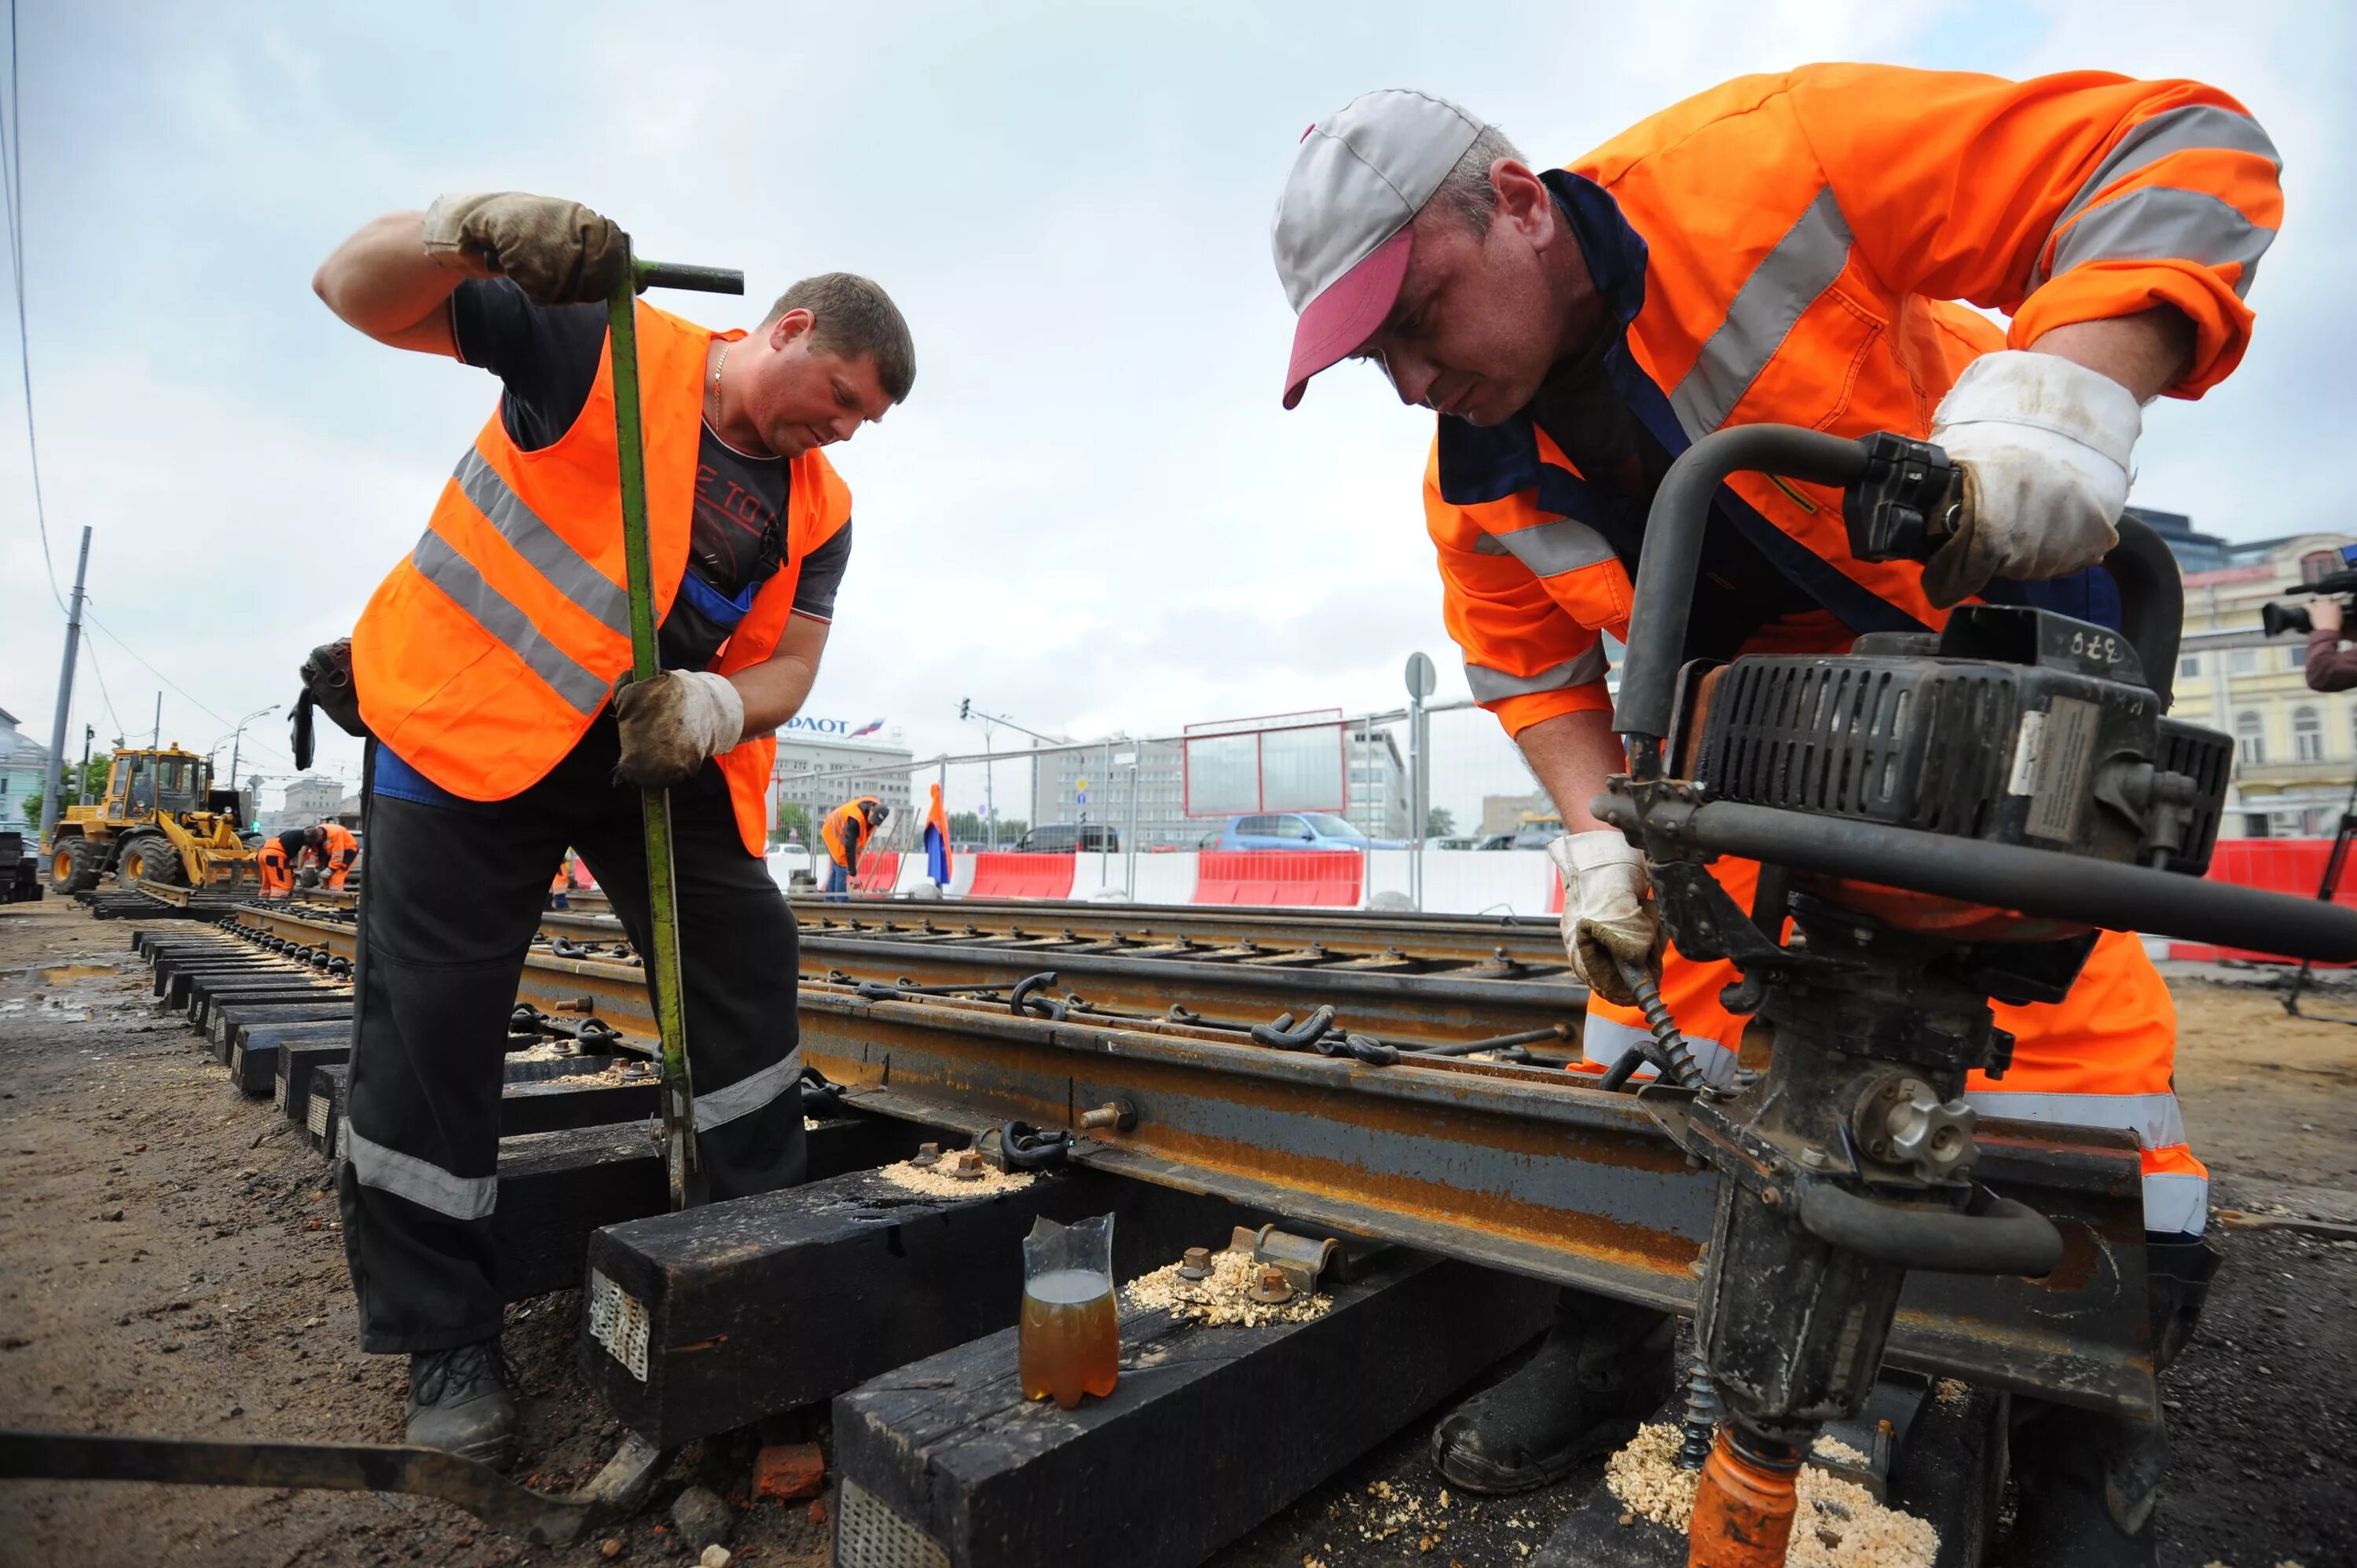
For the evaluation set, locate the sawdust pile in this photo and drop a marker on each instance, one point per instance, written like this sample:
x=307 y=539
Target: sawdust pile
x=935 y=1181
x=619 y=1072
x=1219 y=1298
x=1840 y=1525
x=1835 y=1451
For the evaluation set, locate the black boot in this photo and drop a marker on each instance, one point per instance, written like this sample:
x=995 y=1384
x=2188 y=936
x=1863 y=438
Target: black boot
x=458 y=1402
x=2086 y=1485
x=1606 y=1366
x=2088 y=1482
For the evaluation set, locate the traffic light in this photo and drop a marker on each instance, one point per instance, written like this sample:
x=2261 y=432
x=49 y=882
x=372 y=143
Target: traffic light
x=966 y=707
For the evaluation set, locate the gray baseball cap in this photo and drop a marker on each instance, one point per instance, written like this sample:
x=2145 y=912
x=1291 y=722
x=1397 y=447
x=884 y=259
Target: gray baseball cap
x=1340 y=234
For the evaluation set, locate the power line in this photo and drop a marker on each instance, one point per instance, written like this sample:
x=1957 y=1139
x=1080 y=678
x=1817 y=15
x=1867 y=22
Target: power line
x=12 y=186
x=106 y=696
x=176 y=686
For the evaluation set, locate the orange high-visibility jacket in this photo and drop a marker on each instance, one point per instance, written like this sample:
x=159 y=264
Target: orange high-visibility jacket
x=483 y=657
x=845 y=829
x=1786 y=249
x=342 y=846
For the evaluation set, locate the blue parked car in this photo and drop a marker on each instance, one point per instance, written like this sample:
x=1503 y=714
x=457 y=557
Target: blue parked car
x=1295 y=829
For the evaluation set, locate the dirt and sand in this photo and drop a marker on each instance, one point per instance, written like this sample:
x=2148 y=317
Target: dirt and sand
x=170 y=1263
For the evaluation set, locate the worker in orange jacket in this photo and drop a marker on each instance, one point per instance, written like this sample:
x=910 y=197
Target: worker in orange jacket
x=485 y=668
x=846 y=831
x=334 y=847
x=272 y=866
x=1800 y=248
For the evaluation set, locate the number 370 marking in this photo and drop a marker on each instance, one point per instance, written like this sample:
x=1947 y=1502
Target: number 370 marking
x=2096 y=645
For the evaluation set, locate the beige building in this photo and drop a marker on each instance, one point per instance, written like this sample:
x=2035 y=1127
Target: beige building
x=2296 y=750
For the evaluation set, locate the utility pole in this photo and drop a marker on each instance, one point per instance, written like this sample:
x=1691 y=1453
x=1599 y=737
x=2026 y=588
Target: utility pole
x=158 y=742
x=52 y=796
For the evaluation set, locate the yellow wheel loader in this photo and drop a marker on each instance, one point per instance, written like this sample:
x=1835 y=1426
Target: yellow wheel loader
x=161 y=821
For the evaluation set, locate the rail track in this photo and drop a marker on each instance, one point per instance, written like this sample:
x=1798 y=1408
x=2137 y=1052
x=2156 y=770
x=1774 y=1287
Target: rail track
x=1386 y=1129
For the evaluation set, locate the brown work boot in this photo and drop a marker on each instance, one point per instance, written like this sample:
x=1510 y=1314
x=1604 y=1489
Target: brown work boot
x=1604 y=1367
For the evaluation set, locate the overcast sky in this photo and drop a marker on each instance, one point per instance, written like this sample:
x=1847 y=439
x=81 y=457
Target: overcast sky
x=1092 y=514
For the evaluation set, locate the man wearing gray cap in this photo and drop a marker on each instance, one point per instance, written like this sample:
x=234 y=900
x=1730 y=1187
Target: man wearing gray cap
x=1788 y=249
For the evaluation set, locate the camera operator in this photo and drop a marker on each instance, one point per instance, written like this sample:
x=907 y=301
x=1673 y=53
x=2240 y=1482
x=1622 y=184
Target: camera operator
x=2331 y=666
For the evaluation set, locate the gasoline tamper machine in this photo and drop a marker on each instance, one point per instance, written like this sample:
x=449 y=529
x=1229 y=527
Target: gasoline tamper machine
x=1940 y=819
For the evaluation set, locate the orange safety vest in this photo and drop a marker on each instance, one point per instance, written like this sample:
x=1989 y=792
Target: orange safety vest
x=845 y=826
x=483 y=657
x=1783 y=249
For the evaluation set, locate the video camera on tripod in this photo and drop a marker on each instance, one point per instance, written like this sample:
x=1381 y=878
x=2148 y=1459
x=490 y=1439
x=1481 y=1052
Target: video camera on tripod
x=2276 y=619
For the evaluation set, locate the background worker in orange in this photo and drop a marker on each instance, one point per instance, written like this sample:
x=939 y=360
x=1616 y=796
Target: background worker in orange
x=937 y=839
x=274 y=867
x=846 y=830
x=483 y=666
x=1785 y=248
x=336 y=849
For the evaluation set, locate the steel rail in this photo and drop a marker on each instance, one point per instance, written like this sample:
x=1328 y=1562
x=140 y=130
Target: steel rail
x=1405 y=942
x=1525 y=1168
x=1407 y=1010
x=1521 y=1168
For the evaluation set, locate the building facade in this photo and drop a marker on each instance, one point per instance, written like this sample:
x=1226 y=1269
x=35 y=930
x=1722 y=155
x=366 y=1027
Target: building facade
x=2296 y=750
x=1379 y=807
x=1108 y=774
x=24 y=769
x=823 y=762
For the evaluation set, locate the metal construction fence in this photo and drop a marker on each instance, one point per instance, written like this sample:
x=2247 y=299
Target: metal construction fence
x=1443 y=776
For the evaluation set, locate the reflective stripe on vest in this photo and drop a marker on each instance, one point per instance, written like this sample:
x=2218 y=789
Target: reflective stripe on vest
x=455 y=575
x=565 y=568
x=1493 y=686
x=2199 y=127
x=2173 y=1200
x=1788 y=280
x=1549 y=549
x=2153 y=1118
x=2158 y=223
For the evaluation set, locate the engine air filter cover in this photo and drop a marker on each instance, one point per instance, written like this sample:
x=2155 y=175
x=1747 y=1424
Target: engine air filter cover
x=2016 y=726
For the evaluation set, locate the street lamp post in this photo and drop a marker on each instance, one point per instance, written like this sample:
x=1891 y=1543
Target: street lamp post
x=237 y=740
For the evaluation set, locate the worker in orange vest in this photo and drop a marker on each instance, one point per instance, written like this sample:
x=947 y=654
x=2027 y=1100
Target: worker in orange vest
x=846 y=831
x=937 y=840
x=485 y=666
x=336 y=849
x=1791 y=248
x=272 y=866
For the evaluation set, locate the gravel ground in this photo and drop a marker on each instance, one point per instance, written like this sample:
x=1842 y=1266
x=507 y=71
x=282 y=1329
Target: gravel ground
x=172 y=1265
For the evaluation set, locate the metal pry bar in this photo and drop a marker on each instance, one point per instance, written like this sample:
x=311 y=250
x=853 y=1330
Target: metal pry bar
x=678 y=1094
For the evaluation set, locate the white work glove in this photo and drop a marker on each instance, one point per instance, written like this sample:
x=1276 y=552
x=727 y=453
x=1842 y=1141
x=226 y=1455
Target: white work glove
x=1608 y=909
x=674 y=724
x=2044 y=444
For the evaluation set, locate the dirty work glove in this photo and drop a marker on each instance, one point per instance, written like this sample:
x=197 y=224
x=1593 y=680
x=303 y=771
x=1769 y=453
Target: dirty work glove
x=673 y=723
x=558 y=251
x=1608 y=909
x=2044 y=444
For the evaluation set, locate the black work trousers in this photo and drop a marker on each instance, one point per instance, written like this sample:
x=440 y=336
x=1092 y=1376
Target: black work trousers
x=453 y=895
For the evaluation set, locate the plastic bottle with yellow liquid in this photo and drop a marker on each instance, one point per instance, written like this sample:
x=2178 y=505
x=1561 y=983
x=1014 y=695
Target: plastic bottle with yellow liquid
x=1068 y=1339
